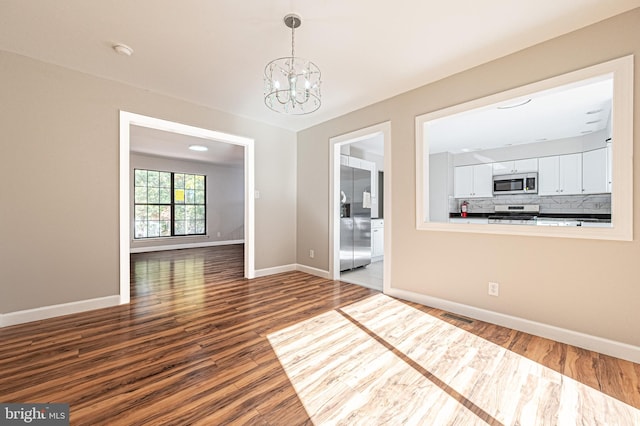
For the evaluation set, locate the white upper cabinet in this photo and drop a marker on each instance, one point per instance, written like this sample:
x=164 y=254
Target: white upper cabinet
x=560 y=175
x=518 y=166
x=473 y=181
x=548 y=175
x=463 y=182
x=571 y=174
x=594 y=172
x=483 y=180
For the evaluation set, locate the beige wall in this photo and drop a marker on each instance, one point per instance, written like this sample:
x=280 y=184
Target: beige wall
x=587 y=286
x=59 y=161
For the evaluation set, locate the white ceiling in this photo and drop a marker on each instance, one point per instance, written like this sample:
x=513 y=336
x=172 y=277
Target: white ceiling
x=373 y=145
x=166 y=144
x=564 y=112
x=213 y=52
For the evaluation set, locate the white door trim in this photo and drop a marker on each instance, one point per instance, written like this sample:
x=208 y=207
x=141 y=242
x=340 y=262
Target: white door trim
x=334 y=203
x=126 y=120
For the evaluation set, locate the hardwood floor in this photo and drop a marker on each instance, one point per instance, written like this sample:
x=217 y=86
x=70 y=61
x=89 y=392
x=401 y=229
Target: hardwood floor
x=201 y=345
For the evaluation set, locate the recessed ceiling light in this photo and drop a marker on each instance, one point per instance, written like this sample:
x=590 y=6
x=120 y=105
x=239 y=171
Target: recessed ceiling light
x=198 y=148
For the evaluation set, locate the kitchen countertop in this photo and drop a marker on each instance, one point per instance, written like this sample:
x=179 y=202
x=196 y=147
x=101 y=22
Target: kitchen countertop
x=582 y=217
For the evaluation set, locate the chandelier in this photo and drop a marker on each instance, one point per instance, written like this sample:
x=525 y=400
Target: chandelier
x=292 y=85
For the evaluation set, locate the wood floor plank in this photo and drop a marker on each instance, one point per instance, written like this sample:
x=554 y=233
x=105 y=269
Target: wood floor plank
x=582 y=365
x=193 y=347
x=617 y=377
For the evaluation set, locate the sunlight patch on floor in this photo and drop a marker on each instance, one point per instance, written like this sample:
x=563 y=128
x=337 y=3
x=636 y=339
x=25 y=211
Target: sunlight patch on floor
x=380 y=361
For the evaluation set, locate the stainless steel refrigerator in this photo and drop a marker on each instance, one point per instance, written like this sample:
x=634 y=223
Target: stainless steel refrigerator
x=355 y=217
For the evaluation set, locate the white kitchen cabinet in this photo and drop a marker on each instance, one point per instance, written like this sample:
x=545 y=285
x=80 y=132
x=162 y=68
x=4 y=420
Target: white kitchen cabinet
x=594 y=171
x=473 y=181
x=560 y=175
x=377 y=239
x=463 y=181
x=548 y=175
x=527 y=165
x=571 y=174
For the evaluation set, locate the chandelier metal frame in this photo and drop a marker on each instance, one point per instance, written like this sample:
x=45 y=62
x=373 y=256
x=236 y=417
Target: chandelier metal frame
x=292 y=84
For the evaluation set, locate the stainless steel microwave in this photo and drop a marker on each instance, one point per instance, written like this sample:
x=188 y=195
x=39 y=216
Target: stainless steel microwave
x=522 y=183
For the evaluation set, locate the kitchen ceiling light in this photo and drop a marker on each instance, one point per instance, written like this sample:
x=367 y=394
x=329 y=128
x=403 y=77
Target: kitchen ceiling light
x=123 y=49
x=519 y=104
x=292 y=85
x=199 y=148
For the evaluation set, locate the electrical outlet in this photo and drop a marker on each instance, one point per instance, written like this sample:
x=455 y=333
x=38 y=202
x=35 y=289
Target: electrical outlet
x=494 y=289
x=312 y=253
x=218 y=233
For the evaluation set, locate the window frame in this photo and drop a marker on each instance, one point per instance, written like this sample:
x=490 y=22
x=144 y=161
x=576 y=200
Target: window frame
x=172 y=206
x=622 y=192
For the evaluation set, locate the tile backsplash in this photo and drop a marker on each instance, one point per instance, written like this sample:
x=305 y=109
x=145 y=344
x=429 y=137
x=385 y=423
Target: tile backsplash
x=588 y=204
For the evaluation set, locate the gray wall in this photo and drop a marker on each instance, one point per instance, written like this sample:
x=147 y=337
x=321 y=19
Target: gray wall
x=225 y=199
x=589 y=286
x=440 y=186
x=59 y=160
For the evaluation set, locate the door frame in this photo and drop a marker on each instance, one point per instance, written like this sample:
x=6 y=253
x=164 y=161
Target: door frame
x=126 y=120
x=334 y=197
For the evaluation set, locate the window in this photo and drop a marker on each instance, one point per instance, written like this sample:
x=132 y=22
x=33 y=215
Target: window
x=169 y=204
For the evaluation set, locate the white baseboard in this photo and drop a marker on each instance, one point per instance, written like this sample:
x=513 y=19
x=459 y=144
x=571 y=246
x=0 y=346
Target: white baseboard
x=313 y=271
x=586 y=341
x=292 y=267
x=275 y=270
x=184 y=246
x=45 y=312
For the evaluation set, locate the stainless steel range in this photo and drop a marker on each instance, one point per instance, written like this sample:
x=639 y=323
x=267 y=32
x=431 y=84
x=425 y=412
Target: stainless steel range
x=518 y=214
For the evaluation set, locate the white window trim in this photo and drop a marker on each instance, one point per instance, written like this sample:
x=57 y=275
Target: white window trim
x=622 y=191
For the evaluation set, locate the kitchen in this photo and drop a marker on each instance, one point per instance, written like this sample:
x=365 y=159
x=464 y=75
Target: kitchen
x=540 y=160
x=361 y=221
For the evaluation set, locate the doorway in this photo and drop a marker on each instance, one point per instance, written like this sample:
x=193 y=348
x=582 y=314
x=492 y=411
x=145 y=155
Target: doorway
x=368 y=148
x=127 y=120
